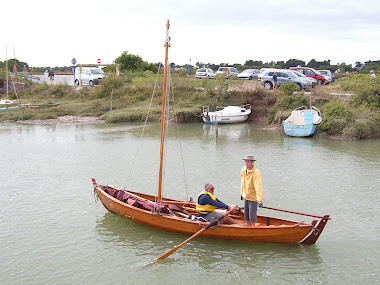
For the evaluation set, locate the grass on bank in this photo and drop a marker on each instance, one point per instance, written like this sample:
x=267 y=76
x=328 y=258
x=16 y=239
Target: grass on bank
x=348 y=117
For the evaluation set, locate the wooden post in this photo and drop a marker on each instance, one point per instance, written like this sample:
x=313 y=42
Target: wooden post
x=117 y=69
x=80 y=75
x=159 y=195
x=6 y=68
x=111 y=103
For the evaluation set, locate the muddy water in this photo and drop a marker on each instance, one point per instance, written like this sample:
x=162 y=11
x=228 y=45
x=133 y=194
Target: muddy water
x=53 y=232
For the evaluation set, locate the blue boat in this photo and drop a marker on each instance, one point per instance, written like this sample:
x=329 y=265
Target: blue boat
x=302 y=122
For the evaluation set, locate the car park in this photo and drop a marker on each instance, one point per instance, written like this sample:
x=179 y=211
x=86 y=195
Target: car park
x=328 y=73
x=249 y=74
x=311 y=72
x=90 y=75
x=227 y=71
x=205 y=73
x=283 y=76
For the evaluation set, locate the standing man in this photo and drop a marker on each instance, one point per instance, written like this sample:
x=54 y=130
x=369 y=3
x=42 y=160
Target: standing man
x=206 y=204
x=51 y=76
x=275 y=80
x=251 y=190
x=373 y=75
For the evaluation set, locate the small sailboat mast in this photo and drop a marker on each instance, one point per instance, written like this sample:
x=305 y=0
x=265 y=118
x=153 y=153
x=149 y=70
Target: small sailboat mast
x=167 y=45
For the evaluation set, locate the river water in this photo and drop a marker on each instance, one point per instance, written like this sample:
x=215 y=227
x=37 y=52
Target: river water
x=53 y=232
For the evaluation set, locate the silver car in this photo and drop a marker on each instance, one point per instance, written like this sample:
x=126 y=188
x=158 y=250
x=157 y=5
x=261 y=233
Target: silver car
x=249 y=74
x=227 y=71
x=328 y=73
x=284 y=76
x=312 y=80
x=205 y=73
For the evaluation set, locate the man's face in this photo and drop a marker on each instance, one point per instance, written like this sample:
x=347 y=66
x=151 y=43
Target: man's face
x=211 y=189
x=249 y=164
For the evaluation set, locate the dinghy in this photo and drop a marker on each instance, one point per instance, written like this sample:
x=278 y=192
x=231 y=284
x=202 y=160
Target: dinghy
x=302 y=122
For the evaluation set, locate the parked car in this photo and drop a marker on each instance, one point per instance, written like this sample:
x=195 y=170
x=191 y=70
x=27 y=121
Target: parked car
x=311 y=72
x=328 y=73
x=249 y=74
x=283 y=76
x=227 y=71
x=89 y=76
x=312 y=80
x=205 y=73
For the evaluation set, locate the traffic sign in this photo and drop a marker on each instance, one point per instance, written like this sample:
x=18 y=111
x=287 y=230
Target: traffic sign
x=99 y=60
x=73 y=61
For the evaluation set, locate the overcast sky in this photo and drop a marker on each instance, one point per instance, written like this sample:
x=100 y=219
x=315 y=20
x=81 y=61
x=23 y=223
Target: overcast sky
x=51 y=33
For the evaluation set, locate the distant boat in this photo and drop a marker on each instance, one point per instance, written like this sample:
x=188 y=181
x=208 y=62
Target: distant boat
x=302 y=122
x=5 y=102
x=227 y=115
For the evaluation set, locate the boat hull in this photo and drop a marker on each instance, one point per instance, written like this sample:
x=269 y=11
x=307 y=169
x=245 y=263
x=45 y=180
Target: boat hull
x=271 y=229
x=299 y=131
x=213 y=119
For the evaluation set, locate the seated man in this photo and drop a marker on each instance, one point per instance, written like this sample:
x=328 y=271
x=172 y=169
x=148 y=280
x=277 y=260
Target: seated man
x=206 y=204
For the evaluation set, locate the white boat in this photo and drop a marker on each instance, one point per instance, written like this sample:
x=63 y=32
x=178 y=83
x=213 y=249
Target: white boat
x=5 y=102
x=227 y=115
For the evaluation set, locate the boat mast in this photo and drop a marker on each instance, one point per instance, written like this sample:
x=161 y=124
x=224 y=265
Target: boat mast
x=6 y=68
x=167 y=45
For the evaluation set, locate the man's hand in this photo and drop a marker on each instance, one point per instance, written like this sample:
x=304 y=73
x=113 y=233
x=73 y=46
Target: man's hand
x=241 y=197
x=233 y=208
x=260 y=204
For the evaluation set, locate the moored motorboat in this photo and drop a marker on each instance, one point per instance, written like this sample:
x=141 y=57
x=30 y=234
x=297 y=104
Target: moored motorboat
x=302 y=122
x=226 y=115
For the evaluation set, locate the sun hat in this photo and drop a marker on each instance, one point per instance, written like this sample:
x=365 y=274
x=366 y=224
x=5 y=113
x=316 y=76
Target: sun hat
x=249 y=157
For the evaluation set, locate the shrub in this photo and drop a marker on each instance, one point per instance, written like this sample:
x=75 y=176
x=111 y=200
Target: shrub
x=292 y=102
x=288 y=88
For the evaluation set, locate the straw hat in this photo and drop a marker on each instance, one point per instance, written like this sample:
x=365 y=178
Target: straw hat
x=249 y=157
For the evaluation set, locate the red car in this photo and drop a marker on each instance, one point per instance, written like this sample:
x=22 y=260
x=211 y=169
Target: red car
x=311 y=72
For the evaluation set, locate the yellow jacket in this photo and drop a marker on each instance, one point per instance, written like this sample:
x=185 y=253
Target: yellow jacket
x=205 y=209
x=251 y=186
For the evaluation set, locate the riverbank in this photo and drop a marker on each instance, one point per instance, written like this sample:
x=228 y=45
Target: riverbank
x=345 y=116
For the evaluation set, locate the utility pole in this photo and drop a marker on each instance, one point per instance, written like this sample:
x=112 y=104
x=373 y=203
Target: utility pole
x=190 y=65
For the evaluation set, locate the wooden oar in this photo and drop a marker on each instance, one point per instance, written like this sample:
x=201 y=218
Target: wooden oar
x=162 y=257
x=297 y=213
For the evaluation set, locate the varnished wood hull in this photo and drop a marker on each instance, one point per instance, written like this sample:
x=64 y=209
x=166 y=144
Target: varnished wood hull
x=271 y=229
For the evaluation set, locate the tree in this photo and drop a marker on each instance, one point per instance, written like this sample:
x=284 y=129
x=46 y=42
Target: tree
x=294 y=62
x=129 y=61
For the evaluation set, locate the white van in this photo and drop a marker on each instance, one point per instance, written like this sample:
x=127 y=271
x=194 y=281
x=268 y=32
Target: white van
x=90 y=75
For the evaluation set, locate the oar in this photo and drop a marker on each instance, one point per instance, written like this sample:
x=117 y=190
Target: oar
x=297 y=213
x=165 y=255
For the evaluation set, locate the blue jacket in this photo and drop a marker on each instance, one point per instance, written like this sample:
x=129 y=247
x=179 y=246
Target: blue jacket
x=207 y=200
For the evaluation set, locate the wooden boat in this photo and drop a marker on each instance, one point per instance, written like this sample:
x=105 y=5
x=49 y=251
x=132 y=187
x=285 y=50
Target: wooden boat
x=302 y=122
x=226 y=115
x=270 y=229
x=181 y=216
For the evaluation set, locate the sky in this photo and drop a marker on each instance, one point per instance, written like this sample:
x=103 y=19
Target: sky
x=51 y=33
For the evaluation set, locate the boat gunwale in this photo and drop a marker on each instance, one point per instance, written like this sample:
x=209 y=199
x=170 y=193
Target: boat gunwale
x=187 y=221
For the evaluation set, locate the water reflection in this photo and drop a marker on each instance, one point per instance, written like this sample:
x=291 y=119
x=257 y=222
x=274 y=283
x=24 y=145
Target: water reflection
x=115 y=231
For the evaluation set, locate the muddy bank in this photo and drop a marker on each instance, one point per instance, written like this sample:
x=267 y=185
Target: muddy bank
x=65 y=120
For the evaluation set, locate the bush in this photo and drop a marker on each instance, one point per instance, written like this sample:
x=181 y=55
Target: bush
x=288 y=88
x=292 y=102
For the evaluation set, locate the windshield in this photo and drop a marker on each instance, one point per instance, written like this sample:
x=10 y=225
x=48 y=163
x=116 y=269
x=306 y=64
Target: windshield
x=248 y=71
x=223 y=69
x=97 y=71
x=202 y=70
x=299 y=74
x=291 y=74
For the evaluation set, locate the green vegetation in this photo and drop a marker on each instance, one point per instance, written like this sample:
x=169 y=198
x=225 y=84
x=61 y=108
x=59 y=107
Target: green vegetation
x=347 y=117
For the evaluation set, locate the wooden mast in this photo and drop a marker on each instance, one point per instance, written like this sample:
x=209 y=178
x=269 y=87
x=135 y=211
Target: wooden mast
x=159 y=195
